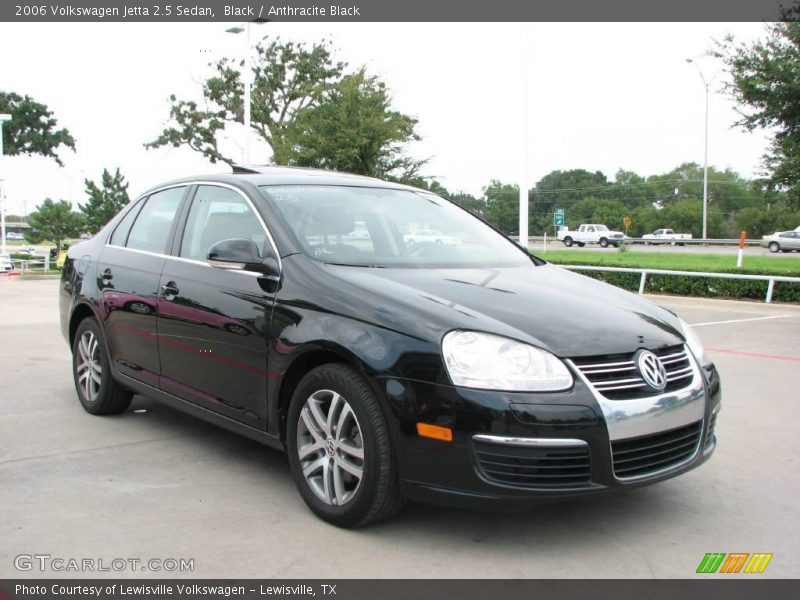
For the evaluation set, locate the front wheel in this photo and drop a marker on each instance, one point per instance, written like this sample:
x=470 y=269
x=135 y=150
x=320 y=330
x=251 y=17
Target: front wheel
x=603 y=243
x=580 y=244
x=774 y=247
x=340 y=452
x=98 y=392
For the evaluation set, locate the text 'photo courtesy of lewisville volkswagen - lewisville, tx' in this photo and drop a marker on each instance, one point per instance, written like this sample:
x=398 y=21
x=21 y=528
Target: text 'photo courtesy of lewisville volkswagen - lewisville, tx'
x=404 y=300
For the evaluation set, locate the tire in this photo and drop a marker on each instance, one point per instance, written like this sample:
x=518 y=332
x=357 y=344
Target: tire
x=568 y=242
x=90 y=362
x=331 y=488
x=603 y=243
x=580 y=244
x=774 y=247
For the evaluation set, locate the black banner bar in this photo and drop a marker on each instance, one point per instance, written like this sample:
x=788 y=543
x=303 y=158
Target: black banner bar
x=396 y=10
x=736 y=588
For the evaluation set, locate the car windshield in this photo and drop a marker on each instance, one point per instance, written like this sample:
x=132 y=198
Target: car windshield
x=600 y=228
x=378 y=227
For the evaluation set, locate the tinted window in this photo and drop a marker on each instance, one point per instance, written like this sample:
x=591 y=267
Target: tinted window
x=218 y=214
x=151 y=229
x=120 y=235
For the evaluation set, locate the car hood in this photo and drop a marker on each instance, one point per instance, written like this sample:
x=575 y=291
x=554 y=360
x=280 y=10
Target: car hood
x=563 y=312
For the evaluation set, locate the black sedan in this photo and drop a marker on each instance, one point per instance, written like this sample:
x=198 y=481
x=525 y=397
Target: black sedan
x=287 y=305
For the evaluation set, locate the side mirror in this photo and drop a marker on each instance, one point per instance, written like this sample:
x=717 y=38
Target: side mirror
x=242 y=254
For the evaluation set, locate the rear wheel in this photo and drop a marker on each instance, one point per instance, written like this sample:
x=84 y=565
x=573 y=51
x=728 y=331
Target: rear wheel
x=340 y=452
x=568 y=241
x=97 y=390
x=774 y=247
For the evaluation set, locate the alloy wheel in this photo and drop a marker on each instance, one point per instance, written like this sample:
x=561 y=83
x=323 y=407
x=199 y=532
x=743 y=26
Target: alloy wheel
x=89 y=369
x=330 y=447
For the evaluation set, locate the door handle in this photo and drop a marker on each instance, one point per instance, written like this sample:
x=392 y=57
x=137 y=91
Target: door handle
x=170 y=290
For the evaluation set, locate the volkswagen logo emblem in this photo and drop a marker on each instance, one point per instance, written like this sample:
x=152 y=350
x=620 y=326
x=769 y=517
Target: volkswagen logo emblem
x=652 y=370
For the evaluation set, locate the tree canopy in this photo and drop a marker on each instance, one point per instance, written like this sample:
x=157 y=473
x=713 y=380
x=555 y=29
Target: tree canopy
x=766 y=85
x=32 y=130
x=55 y=221
x=105 y=200
x=353 y=128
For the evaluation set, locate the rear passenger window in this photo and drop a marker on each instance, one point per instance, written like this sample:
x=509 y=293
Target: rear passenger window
x=218 y=214
x=120 y=235
x=150 y=231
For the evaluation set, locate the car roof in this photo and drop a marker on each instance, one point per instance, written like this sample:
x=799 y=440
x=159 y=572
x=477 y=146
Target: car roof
x=259 y=175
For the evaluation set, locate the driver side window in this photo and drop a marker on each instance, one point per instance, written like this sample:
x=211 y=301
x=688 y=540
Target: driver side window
x=218 y=214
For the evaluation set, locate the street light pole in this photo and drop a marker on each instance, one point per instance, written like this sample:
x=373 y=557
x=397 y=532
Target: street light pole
x=523 y=184
x=707 y=87
x=3 y=119
x=247 y=81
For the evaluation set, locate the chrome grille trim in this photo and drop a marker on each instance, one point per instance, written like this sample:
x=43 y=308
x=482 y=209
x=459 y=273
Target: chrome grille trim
x=600 y=374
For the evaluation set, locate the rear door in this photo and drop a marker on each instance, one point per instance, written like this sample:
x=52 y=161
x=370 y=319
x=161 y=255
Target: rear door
x=212 y=322
x=129 y=269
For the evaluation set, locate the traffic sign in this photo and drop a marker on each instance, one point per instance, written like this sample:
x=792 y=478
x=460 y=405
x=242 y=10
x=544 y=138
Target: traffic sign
x=559 y=218
x=627 y=222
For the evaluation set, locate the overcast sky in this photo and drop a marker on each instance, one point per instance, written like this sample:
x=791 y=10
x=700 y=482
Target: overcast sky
x=601 y=96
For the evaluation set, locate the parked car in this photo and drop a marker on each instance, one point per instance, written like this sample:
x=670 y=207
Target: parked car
x=13 y=235
x=666 y=236
x=471 y=375
x=782 y=241
x=430 y=236
x=590 y=233
x=5 y=263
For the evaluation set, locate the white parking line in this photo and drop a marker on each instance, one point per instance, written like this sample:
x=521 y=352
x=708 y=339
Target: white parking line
x=738 y=320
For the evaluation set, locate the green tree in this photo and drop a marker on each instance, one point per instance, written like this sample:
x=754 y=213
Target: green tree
x=105 y=200
x=502 y=206
x=354 y=129
x=766 y=84
x=474 y=205
x=287 y=78
x=32 y=129
x=55 y=221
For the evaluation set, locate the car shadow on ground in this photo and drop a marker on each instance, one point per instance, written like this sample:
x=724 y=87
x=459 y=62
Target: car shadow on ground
x=268 y=468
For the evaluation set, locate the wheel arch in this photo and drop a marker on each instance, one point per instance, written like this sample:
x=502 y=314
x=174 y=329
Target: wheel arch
x=79 y=313
x=299 y=367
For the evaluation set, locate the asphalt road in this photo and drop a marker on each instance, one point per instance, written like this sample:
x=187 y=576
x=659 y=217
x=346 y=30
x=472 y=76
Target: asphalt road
x=154 y=483
x=536 y=248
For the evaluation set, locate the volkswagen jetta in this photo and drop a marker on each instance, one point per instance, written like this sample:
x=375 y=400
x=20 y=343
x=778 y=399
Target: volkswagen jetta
x=468 y=373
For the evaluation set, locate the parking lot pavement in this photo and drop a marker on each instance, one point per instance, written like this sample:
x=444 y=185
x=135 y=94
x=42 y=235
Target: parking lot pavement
x=154 y=483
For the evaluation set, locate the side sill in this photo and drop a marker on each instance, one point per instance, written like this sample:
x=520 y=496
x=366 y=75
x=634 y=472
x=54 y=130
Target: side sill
x=198 y=411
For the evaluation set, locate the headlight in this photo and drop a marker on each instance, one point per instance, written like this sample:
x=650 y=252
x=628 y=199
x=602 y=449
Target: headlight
x=694 y=343
x=491 y=362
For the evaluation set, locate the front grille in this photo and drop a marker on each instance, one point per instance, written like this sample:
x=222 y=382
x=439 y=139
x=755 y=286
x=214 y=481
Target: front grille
x=617 y=377
x=533 y=467
x=648 y=454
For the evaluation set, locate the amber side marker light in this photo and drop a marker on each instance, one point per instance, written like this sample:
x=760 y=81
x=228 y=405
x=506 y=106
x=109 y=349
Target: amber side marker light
x=435 y=432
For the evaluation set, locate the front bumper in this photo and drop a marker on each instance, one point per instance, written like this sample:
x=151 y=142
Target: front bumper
x=578 y=429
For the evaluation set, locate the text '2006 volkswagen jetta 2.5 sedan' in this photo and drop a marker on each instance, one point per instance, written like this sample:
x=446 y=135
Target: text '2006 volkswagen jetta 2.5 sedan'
x=292 y=306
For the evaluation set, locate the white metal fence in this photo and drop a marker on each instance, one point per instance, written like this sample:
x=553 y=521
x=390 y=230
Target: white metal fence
x=770 y=279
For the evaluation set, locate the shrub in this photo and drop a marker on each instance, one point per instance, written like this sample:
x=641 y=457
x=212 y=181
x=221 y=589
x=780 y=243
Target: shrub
x=683 y=285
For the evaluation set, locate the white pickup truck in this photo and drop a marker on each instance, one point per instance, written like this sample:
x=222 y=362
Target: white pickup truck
x=666 y=236
x=590 y=233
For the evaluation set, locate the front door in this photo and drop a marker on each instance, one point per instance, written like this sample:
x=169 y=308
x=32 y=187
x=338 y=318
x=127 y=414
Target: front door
x=212 y=322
